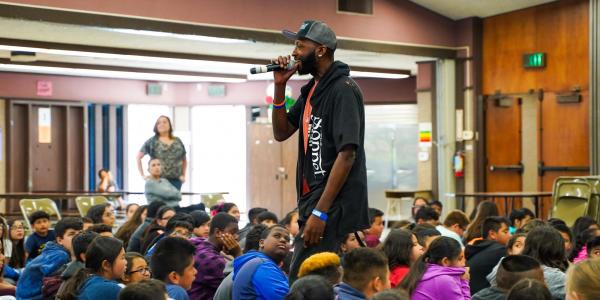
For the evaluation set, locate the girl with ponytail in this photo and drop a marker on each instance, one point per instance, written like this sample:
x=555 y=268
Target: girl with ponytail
x=440 y=273
x=104 y=264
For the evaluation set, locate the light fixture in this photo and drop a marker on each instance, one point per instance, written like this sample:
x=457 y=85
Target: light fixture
x=114 y=74
x=199 y=65
x=192 y=37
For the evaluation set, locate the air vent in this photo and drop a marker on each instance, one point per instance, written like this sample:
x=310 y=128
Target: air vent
x=364 y=7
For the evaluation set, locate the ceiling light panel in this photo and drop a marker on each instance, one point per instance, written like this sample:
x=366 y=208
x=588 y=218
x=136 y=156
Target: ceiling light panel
x=114 y=74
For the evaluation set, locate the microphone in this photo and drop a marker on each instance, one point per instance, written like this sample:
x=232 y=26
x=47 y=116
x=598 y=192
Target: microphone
x=271 y=68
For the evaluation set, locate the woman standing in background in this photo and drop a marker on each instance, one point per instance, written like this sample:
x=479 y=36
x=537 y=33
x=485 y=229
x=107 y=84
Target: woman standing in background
x=168 y=149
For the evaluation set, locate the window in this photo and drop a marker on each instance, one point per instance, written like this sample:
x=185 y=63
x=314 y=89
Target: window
x=356 y=6
x=218 y=156
x=391 y=144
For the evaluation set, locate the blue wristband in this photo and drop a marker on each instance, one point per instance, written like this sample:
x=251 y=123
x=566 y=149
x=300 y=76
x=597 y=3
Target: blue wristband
x=282 y=105
x=319 y=214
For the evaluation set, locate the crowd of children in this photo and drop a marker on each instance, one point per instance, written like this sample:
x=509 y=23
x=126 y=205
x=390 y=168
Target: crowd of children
x=162 y=253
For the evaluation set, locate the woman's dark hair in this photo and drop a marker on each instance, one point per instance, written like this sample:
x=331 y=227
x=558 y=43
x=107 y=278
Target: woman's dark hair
x=156 y=134
x=130 y=205
x=545 y=244
x=17 y=259
x=562 y=228
x=412 y=209
x=159 y=216
x=581 y=224
x=438 y=249
x=221 y=207
x=153 y=208
x=124 y=233
x=529 y=289
x=581 y=239
x=398 y=247
x=580 y=236
x=484 y=209
x=311 y=287
x=101 y=249
x=95 y=212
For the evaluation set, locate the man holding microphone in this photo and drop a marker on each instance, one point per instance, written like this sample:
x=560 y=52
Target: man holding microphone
x=331 y=171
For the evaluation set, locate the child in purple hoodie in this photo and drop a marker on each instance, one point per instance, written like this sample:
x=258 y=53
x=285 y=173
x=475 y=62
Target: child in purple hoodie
x=439 y=274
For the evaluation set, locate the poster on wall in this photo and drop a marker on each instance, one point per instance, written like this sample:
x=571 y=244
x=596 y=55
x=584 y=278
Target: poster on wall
x=44 y=127
x=425 y=135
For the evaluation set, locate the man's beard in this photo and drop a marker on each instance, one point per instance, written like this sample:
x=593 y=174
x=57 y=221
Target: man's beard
x=308 y=64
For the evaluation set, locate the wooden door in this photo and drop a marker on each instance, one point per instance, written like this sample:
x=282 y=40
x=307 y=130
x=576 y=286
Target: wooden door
x=49 y=157
x=272 y=170
x=503 y=146
x=289 y=160
x=53 y=162
x=265 y=157
x=564 y=129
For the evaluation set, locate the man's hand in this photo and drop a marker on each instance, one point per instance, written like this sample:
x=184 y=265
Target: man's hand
x=313 y=231
x=182 y=178
x=281 y=77
x=231 y=246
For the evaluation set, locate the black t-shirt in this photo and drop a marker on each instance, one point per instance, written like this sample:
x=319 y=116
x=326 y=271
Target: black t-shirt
x=337 y=120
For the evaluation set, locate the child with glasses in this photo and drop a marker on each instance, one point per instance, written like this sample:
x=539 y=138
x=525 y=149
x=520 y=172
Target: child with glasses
x=137 y=269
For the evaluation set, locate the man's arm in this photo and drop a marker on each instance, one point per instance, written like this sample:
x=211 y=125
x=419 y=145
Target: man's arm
x=282 y=128
x=339 y=173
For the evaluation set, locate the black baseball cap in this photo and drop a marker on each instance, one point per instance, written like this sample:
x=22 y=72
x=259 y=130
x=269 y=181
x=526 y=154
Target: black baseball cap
x=315 y=31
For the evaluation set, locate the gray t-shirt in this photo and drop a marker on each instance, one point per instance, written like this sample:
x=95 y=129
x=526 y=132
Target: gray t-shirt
x=171 y=156
x=225 y=288
x=162 y=190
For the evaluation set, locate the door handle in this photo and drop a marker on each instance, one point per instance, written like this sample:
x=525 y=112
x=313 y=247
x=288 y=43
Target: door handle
x=543 y=168
x=518 y=168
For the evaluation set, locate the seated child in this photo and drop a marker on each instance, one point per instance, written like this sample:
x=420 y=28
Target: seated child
x=40 y=223
x=374 y=232
x=55 y=255
x=365 y=274
x=104 y=264
x=173 y=263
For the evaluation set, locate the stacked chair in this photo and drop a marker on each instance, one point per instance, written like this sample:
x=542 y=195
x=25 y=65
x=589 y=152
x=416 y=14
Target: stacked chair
x=28 y=206
x=573 y=197
x=84 y=203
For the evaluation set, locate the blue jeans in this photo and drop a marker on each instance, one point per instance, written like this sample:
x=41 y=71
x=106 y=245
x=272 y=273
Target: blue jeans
x=175 y=182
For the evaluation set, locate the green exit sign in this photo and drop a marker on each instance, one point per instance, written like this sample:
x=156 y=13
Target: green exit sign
x=534 y=60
